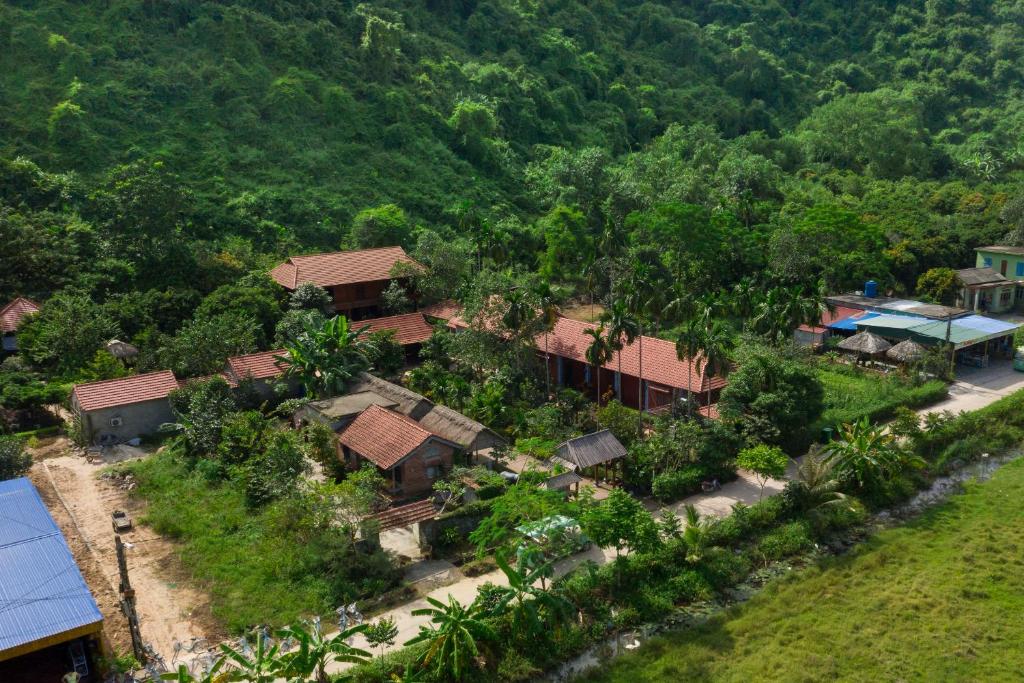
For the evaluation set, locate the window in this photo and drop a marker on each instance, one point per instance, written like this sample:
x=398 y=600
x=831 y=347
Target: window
x=360 y=291
x=987 y=261
x=397 y=474
x=1020 y=268
x=433 y=472
x=1004 y=296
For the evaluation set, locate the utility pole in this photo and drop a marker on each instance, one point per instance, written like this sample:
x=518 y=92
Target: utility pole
x=127 y=594
x=952 y=349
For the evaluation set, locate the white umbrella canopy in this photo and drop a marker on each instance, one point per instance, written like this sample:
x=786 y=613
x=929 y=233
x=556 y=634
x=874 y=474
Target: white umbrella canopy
x=120 y=349
x=866 y=343
x=906 y=351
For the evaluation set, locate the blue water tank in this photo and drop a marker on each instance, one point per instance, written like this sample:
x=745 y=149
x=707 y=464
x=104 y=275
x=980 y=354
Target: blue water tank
x=871 y=288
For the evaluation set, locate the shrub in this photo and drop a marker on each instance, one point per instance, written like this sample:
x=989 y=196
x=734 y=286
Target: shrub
x=14 y=460
x=670 y=486
x=787 y=540
x=689 y=586
x=722 y=568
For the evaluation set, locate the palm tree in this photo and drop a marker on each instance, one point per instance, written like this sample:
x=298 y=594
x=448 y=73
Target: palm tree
x=716 y=343
x=598 y=353
x=817 y=484
x=695 y=534
x=259 y=664
x=548 y=317
x=314 y=651
x=690 y=341
x=326 y=358
x=533 y=608
x=452 y=638
x=183 y=675
x=864 y=452
x=624 y=330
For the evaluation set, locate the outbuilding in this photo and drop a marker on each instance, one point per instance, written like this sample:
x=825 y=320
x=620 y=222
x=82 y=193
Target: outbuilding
x=116 y=410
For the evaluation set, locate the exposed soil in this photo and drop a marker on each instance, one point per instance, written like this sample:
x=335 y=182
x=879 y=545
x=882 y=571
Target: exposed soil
x=168 y=608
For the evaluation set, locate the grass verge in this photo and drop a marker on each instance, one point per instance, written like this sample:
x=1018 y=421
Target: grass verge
x=940 y=598
x=850 y=394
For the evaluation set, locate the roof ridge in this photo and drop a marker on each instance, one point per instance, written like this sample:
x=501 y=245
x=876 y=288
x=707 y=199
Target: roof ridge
x=346 y=251
x=125 y=378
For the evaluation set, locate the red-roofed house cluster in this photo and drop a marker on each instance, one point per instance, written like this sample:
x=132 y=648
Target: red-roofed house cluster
x=665 y=378
x=355 y=279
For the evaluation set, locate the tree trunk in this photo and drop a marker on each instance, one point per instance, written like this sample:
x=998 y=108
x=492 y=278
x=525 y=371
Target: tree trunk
x=640 y=390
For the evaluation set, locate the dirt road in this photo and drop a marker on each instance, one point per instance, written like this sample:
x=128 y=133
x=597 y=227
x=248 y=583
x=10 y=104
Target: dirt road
x=169 y=609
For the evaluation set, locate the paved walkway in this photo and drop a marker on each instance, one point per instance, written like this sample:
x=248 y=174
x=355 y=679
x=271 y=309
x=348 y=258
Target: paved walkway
x=976 y=388
x=745 y=489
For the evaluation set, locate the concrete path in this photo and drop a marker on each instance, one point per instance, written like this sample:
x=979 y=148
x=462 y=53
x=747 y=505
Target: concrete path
x=746 y=489
x=976 y=388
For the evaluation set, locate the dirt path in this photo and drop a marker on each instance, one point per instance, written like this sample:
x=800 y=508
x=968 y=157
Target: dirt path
x=169 y=609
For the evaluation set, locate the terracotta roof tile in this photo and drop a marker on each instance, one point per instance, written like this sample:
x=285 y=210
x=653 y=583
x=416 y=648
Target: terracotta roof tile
x=340 y=267
x=443 y=310
x=12 y=313
x=660 y=362
x=410 y=328
x=261 y=365
x=383 y=436
x=112 y=393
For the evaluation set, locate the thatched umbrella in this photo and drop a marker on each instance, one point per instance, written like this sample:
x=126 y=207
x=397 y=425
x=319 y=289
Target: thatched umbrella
x=907 y=351
x=120 y=349
x=866 y=343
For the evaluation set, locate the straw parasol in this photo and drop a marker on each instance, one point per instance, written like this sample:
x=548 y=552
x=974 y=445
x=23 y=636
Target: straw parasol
x=866 y=343
x=906 y=351
x=120 y=349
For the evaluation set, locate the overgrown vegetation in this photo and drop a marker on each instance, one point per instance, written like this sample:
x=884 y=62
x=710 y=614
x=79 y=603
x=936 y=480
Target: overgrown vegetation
x=942 y=581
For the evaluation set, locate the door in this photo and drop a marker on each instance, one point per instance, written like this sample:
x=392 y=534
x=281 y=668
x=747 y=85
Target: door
x=1002 y=267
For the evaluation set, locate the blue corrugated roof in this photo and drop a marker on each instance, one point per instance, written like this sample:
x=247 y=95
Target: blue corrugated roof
x=42 y=593
x=850 y=323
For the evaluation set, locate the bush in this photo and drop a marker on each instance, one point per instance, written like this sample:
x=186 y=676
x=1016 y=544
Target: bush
x=722 y=568
x=787 y=540
x=670 y=486
x=689 y=586
x=14 y=460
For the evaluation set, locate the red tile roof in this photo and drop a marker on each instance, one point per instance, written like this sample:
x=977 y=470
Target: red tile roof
x=661 y=365
x=443 y=310
x=384 y=437
x=12 y=314
x=112 y=393
x=262 y=365
x=411 y=328
x=340 y=267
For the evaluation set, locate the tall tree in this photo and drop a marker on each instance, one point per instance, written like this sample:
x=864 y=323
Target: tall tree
x=326 y=359
x=599 y=352
x=623 y=330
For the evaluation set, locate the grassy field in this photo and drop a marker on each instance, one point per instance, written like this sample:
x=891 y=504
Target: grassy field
x=250 y=562
x=849 y=395
x=941 y=598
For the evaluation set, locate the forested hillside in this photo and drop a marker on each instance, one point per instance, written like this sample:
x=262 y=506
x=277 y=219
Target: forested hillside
x=154 y=151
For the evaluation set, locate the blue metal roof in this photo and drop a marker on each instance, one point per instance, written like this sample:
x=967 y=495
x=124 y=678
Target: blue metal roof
x=850 y=323
x=986 y=324
x=42 y=593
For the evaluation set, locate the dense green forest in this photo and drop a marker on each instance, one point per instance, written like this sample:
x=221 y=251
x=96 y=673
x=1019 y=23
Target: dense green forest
x=155 y=157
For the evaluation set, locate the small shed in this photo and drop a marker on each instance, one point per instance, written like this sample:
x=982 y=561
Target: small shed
x=566 y=481
x=117 y=410
x=599 y=453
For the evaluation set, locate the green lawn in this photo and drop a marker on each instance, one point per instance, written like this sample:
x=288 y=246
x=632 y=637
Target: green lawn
x=253 y=565
x=850 y=394
x=941 y=598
